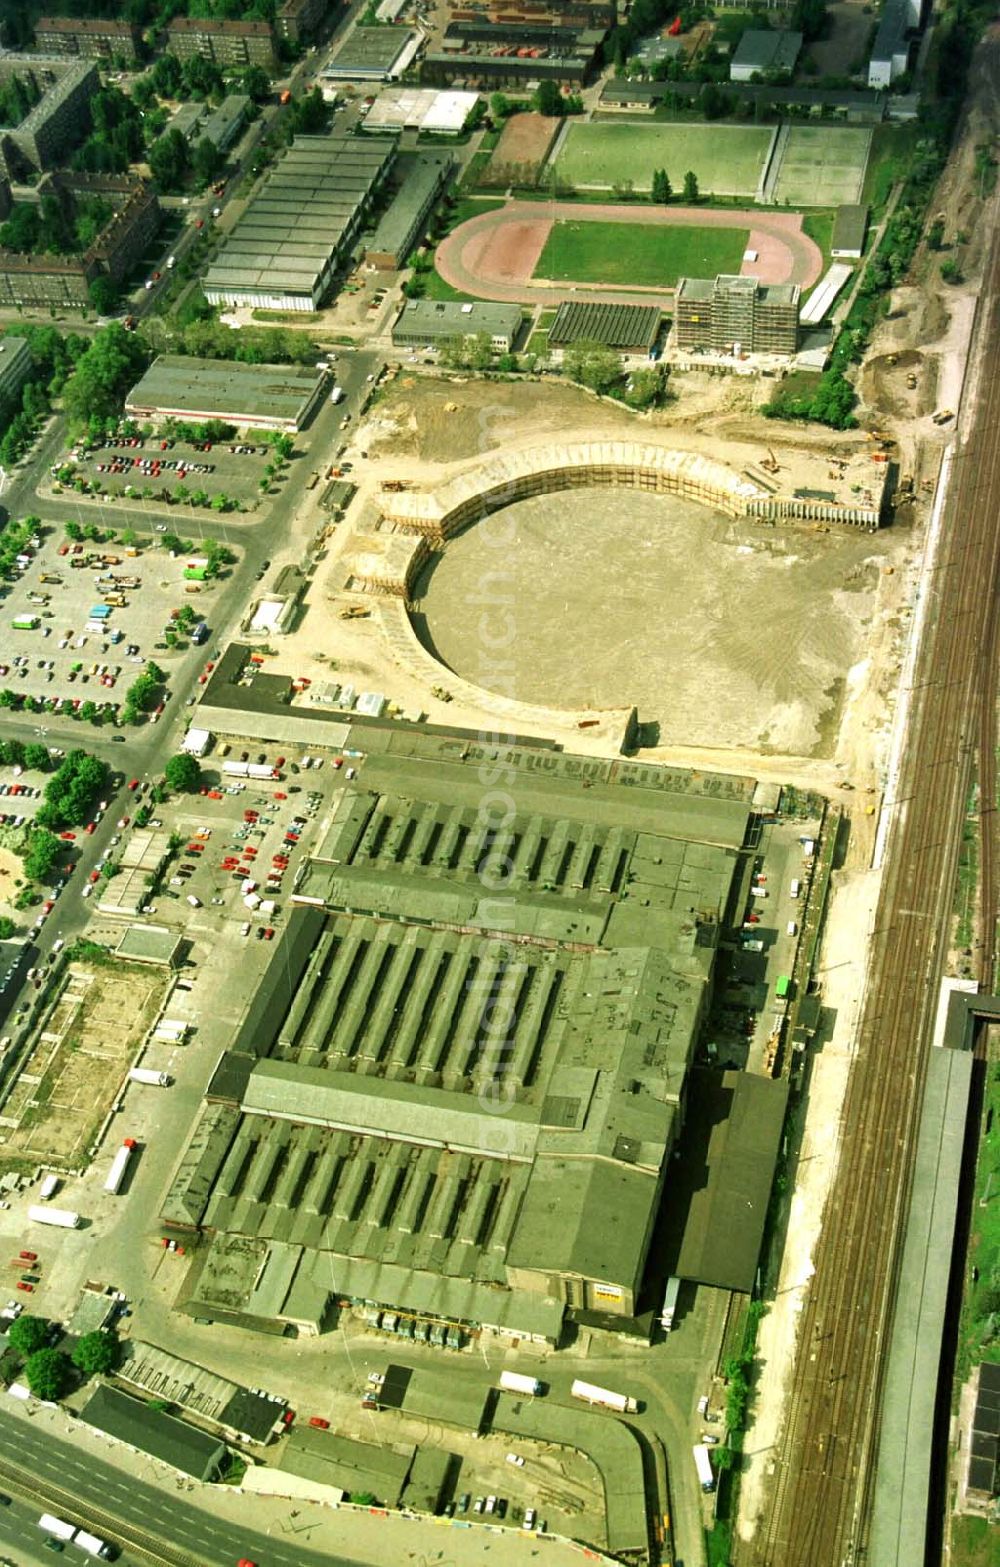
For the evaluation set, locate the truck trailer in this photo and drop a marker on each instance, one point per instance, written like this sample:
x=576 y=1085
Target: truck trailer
x=119 y=1165
x=64 y=1218
x=516 y=1382
x=704 y=1467
x=57 y=1527
x=92 y=1544
x=49 y=1186
x=145 y=1074
x=669 y=1307
x=603 y=1396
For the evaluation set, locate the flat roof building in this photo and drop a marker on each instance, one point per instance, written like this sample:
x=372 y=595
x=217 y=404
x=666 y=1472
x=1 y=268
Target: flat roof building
x=763 y=53
x=261 y=397
x=421 y=109
x=432 y=322
x=631 y=329
x=285 y=250
x=224 y=125
x=850 y=227
x=472 y=57
x=422 y=178
x=372 y=54
x=365 y=1071
x=890 y=56
x=730 y=314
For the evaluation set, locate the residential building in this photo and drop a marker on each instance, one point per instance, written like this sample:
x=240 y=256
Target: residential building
x=298 y=231
x=225 y=43
x=299 y=20
x=422 y=178
x=15 y=367
x=53 y=281
x=432 y=322
x=761 y=53
x=100 y=38
x=54 y=127
x=733 y=315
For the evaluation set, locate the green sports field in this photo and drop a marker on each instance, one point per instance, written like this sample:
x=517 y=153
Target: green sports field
x=638 y=255
x=727 y=159
x=823 y=165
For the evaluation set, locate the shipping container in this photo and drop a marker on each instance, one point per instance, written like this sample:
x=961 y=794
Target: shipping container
x=145 y=1074
x=783 y=986
x=63 y=1218
x=57 y=1527
x=119 y=1165
x=26 y=622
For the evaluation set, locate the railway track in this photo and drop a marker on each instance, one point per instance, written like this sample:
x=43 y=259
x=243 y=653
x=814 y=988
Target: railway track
x=821 y=1493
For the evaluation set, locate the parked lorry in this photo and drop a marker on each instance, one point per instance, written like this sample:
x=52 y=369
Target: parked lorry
x=145 y=1074
x=26 y=623
x=605 y=1397
x=248 y=770
x=703 y=1464
x=337 y=395
x=63 y=1218
x=517 y=1382
x=119 y=1165
x=669 y=1307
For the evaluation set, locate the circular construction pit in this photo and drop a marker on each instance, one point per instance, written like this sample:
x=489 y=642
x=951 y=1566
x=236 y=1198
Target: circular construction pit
x=722 y=631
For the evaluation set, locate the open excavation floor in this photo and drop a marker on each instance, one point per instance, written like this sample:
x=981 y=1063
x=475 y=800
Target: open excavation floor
x=723 y=633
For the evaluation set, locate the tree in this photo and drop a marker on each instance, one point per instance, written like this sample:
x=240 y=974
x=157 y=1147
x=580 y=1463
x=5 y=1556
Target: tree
x=256 y=83
x=547 y=99
x=166 y=76
x=103 y=374
x=206 y=161
x=170 y=161
x=42 y=855
x=7 y=927
x=951 y=272
x=662 y=189
x=103 y=295
x=96 y=1353
x=691 y=192
x=36 y=757
x=593 y=365
x=183 y=773
x=47 y=1373
x=500 y=105
x=27 y=1334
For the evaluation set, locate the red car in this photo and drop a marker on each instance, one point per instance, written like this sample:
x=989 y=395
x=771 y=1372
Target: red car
x=319 y=1423
x=279 y=796
x=134 y=784
x=28 y=1256
x=89 y=828
x=95 y=876
x=68 y=837
x=29 y=1289
x=288 y=1415
x=48 y=906
x=268 y=936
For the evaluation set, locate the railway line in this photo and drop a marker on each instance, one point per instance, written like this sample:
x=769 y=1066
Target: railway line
x=819 y=1505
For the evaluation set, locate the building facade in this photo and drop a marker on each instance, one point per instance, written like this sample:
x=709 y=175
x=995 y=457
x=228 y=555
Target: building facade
x=53 y=281
x=423 y=180
x=222 y=42
x=56 y=124
x=97 y=38
x=299 y=20
x=15 y=366
x=429 y=323
x=733 y=315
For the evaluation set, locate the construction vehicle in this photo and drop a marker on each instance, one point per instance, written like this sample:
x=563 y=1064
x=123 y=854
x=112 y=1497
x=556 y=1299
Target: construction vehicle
x=393 y=486
x=770 y=463
x=355 y=612
x=942 y=416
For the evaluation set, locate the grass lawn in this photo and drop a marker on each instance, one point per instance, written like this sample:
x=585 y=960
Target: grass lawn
x=472 y=207
x=982 y=1298
x=893 y=148
x=819 y=228
x=727 y=159
x=538 y=342
x=975 y=1542
x=638 y=255
x=823 y=165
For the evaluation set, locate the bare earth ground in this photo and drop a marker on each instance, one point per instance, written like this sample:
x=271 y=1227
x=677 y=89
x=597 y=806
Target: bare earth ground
x=10 y=872
x=495 y=255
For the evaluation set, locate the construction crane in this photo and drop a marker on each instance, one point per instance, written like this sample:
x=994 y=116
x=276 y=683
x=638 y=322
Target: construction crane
x=770 y=463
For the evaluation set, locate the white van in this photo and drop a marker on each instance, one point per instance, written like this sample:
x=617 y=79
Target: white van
x=795 y=888
x=194 y=902
x=791 y=929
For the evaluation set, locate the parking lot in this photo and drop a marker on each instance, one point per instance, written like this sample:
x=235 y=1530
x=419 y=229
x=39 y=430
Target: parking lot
x=162 y=467
x=82 y=619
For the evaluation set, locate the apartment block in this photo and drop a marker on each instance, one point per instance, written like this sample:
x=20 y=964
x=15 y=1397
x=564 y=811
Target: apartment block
x=97 y=38
x=224 y=43
x=728 y=314
x=58 y=120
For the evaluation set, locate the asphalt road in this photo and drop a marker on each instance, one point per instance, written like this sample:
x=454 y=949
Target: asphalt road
x=96 y=1494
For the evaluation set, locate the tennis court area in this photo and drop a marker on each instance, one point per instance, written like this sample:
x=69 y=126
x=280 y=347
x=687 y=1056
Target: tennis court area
x=823 y=166
x=727 y=159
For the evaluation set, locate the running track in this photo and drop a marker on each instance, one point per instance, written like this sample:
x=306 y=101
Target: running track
x=494 y=256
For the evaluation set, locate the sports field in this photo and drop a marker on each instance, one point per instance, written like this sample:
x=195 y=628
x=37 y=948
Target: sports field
x=638 y=257
x=727 y=159
x=823 y=165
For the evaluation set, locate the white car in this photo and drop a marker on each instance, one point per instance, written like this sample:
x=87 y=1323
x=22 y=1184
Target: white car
x=516 y=1460
x=88 y=889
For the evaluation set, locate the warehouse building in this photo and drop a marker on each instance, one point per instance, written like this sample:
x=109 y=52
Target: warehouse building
x=372 y=54
x=421 y=109
x=97 y=38
x=553 y=15
x=258 y=397
x=350 y=1147
x=150 y=1430
x=58 y=121
x=630 y=329
x=761 y=54
x=428 y=323
x=890 y=56
x=733 y=315
x=225 y=43
x=297 y=233
x=422 y=178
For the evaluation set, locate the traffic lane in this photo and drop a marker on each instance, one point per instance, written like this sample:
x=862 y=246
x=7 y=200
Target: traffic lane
x=111 y=1491
x=21 y=1540
x=356 y=372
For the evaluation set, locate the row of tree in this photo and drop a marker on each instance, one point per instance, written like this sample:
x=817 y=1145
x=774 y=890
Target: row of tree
x=53 y=357
x=71 y=791
x=48 y=1371
x=662 y=191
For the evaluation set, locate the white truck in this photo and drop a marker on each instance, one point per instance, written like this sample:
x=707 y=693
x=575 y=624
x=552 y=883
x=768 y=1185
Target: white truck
x=603 y=1396
x=57 y=1527
x=703 y=1465
x=63 y=1217
x=669 y=1307
x=92 y=1544
x=48 y=1188
x=517 y=1382
x=119 y=1165
x=145 y=1074
x=337 y=395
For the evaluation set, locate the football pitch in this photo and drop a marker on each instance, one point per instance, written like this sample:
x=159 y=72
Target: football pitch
x=638 y=255
x=727 y=159
x=823 y=165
